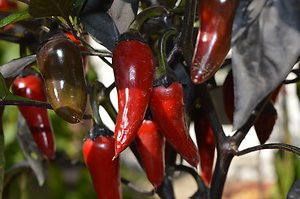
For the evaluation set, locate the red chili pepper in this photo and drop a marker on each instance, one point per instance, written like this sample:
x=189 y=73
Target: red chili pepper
x=31 y=87
x=150 y=145
x=6 y=5
x=98 y=153
x=133 y=66
x=206 y=144
x=167 y=108
x=214 y=35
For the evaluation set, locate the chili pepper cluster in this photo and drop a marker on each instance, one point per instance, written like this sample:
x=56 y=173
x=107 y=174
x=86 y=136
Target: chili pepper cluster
x=151 y=114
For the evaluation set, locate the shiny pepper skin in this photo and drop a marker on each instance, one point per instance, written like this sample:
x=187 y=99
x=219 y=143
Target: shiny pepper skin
x=98 y=154
x=206 y=144
x=150 y=145
x=214 y=36
x=61 y=65
x=133 y=66
x=37 y=119
x=167 y=108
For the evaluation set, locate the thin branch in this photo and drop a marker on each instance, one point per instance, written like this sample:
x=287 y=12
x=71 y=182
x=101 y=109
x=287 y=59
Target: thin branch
x=26 y=103
x=97 y=53
x=281 y=146
x=202 y=189
x=136 y=188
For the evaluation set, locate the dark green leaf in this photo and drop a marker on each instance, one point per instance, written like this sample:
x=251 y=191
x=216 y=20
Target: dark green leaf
x=266 y=45
x=42 y=8
x=14 y=67
x=30 y=150
x=102 y=28
x=15 y=17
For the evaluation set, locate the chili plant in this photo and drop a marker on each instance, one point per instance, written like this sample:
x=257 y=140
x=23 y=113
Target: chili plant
x=165 y=61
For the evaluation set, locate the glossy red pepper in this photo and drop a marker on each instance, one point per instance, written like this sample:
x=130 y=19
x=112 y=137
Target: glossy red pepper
x=32 y=87
x=6 y=5
x=167 y=108
x=133 y=66
x=214 y=36
x=61 y=66
x=150 y=146
x=206 y=144
x=98 y=153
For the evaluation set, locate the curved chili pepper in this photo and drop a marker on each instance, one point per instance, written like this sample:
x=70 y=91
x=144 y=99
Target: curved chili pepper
x=206 y=144
x=150 y=146
x=98 y=152
x=61 y=65
x=167 y=108
x=32 y=87
x=214 y=35
x=133 y=66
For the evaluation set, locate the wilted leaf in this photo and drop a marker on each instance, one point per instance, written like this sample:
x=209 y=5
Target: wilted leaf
x=14 y=67
x=264 y=51
x=15 y=17
x=30 y=150
x=123 y=12
x=102 y=28
x=42 y=8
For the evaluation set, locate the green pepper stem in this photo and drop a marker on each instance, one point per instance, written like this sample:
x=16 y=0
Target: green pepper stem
x=95 y=105
x=162 y=56
x=146 y=14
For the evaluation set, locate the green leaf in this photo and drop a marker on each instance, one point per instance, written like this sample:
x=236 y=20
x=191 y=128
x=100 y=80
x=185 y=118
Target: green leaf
x=15 y=17
x=42 y=8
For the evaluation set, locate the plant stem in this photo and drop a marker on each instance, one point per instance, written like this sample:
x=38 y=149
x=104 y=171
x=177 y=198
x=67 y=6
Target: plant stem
x=186 y=42
x=25 y=103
